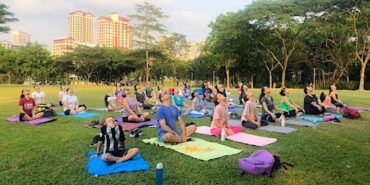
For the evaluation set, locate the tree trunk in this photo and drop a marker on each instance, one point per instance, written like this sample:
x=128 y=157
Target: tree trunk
x=147 y=64
x=283 y=76
x=270 y=79
x=252 y=87
x=9 y=77
x=227 y=75
x=362 y=77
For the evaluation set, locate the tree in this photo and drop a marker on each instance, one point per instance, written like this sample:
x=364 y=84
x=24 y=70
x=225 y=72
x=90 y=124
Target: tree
x=34 y=61
x=175 y=45
x=8 y=63
x=148 y=19
x=5 y=17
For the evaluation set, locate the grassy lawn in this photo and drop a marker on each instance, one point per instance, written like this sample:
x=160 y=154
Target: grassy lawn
x=54 y=153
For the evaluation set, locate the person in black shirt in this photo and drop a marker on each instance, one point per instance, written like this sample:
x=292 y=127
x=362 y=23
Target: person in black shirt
x=311 y=103
x=141 y=97
x=114 y=143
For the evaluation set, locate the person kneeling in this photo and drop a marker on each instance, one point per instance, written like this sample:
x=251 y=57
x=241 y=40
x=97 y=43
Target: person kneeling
x=114 y=143
x=249 y=116
x=220 y=118
x=167 y=115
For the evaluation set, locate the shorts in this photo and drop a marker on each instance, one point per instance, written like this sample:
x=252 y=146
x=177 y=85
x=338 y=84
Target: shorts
x=267 y=117
x=160 y=136
x=125 y=119
x=118 y=153
x=21 y=115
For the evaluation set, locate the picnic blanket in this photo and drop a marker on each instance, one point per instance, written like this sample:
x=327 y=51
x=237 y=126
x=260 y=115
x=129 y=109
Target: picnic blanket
x=241 y=137
x=300 y=123
x=33 y=122
x=197 y=148
x=80 y=115
x=96 y=166
x=279 y=129
x=318 y=118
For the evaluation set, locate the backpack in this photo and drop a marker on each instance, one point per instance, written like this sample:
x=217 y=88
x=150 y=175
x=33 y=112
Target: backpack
x=351 y=113
x=49 y=113
x=261 y=162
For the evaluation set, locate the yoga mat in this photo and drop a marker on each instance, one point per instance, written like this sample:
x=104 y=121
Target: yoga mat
x=208 y=106
x=33 y=122
x=197 y=148
x=80 y=115
x=300 y=123
x=96 y=166
x=131 y=126
x=241 y=137
x=359 y=108
x=194 y=116
x=104 y=109
x=317 y=118
x=279 y=129
x=235 y=122
x=236 y=110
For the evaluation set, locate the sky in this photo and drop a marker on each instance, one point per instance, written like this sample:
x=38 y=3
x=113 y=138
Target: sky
x=46 y=20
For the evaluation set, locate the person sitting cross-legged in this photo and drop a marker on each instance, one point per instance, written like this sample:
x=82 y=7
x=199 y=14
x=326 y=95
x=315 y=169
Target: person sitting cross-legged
x=167 y=115
x=249 y=117
x=27 y=108
x=114 y=143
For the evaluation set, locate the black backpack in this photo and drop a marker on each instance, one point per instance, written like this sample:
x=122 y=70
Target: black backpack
x=278 y=164
x=49 y=113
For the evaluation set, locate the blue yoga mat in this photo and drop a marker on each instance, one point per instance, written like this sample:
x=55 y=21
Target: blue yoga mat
x=96 y=166
x=194 y=116
x=234 y=109
x=318 y=119
x=81 y=115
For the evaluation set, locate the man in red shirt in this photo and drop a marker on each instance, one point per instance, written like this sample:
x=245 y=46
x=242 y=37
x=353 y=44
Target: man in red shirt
x=27 y=107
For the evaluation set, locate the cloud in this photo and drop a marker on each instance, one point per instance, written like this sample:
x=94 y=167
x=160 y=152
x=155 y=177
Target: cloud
x=23 y=8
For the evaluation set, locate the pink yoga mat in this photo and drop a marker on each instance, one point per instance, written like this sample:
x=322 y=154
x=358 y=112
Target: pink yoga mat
x=33 y=122
x=241 y=137
x=132 y=126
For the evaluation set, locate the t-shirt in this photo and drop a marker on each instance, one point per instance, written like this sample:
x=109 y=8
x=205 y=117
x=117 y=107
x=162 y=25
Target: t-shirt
x=270 y=104
x=148 y=92
x=118 y=92
x=71 y=101
x=179 y=100
x=200 y=103
x=62 y=94
x=169 y=114
x=38 y=97
x=132 y=103
x=249 y=111
x=308 y=107
x=327 y=101
x=219 y=113
x=285 y=106
x=27 y=105
x=113 y=138
x=140 y=97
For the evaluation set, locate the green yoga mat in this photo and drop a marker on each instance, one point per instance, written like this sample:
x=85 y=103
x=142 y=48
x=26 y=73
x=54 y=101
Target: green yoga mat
x=198 y=148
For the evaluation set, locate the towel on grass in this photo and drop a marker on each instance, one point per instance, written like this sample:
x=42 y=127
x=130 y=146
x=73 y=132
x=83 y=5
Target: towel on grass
x=96 y=166
x=197 y=148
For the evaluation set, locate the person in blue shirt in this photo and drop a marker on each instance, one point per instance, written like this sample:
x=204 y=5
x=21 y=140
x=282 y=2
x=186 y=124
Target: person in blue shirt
x=167 y=115
x=178 y=101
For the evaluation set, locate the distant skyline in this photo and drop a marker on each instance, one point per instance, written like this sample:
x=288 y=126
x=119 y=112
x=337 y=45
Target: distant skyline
x=46 y=20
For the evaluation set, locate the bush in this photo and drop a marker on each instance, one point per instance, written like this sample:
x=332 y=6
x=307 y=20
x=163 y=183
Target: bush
x=351 y=85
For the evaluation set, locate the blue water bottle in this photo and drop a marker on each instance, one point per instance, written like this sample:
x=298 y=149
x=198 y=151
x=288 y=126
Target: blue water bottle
x=159 y=174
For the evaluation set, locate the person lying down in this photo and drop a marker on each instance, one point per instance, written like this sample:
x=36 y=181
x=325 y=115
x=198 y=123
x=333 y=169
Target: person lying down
x=114 y=143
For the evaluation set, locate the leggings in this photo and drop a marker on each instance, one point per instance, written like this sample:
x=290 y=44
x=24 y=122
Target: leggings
x=217 y=131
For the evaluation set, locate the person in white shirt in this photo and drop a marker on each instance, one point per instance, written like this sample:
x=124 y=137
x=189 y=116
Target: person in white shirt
x=61 y=94
x=71 y=104
x=38 y=95
x=111 y=102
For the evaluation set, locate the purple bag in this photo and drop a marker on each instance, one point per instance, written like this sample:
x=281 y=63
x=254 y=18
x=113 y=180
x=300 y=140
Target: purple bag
x=258 y=163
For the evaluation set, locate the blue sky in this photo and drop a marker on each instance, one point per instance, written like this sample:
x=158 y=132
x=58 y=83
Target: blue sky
x=46 y=20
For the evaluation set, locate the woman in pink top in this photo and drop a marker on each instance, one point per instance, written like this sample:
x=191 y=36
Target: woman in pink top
x=220 y=118
x=249 y=117
x=326 y=102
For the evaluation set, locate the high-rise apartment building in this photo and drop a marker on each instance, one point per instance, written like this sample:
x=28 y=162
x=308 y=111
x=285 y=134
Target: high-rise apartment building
x=115 y=31
x=81 y=27
x=20 y=38
x=63 y=45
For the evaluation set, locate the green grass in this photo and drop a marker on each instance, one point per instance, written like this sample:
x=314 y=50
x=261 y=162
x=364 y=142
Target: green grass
x=54 y=153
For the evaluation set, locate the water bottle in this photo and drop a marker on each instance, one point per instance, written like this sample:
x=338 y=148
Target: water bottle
x=283 y=121
x=159 y=174
x=223 y=134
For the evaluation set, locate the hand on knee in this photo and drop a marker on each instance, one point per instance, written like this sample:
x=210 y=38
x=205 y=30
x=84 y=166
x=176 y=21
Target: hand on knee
x=105 y=157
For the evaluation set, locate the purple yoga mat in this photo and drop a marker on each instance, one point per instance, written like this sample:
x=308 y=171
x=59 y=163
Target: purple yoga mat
x=131 y=126
x=360 y=108
x=33 y=122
